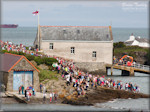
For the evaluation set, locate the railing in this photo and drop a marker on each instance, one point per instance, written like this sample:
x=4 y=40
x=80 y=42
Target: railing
x=135 y=65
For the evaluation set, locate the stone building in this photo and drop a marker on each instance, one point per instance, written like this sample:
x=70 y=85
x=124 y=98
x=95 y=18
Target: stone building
x=91 y=47
x=17 y=70
x=137 y=41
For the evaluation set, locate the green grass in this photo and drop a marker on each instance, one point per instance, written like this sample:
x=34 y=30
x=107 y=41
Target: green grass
x=129 y=50
x=47 y=74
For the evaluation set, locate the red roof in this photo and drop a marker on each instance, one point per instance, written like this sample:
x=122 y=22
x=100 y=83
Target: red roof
x=8 y=61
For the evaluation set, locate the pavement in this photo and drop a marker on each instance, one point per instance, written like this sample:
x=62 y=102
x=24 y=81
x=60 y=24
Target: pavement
x=37 y=95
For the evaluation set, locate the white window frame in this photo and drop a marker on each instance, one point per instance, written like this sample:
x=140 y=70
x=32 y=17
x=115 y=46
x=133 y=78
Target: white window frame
x=94 y=53
x=51 y=46
x=72 y=49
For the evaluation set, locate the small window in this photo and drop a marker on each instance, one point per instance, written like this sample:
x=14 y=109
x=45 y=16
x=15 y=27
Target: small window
x=51 y=46
x=64 y=31
x=107 y=36
x=78 y=31
x=72 y=50
x=94 y=54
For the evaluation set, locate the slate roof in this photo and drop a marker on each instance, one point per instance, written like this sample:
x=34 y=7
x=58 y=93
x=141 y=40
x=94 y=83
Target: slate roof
x=129 y=42
x=78 y=33
x=142 y=40
x=7 y=61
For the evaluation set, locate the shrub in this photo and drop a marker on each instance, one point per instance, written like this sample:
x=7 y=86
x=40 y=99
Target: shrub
x=119 y=45
x=49 y=61
x=38 y=60
x=29 y=57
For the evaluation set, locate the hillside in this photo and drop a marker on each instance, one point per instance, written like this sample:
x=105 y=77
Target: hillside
x=139 y=54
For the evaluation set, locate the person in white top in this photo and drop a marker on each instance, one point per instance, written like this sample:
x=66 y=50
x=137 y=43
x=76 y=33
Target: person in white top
x=126 y=86
x=50 y=95
x=28 y=96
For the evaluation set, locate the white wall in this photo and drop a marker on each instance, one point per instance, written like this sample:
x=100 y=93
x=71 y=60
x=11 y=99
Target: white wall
x=83 y=50
x=135 y=42
x=144 y=44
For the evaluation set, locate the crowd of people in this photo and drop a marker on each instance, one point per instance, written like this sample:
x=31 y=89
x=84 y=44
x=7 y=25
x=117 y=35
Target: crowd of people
x=74 y=76
x=27 y=92
x=83 y=81
x=53 y=96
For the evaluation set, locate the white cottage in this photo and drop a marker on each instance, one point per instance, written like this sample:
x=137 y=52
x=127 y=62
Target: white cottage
x=137 y=41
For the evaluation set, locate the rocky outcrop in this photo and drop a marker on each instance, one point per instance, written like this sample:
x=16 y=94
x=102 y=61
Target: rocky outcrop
x=43 y=67
x=101 y=95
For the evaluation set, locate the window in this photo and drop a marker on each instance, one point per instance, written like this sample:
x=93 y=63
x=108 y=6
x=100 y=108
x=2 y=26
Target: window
x=94 y=54
x=107 y=36
x=78 y=31
x=51 y=46
x=72 y=50
x=64 y=31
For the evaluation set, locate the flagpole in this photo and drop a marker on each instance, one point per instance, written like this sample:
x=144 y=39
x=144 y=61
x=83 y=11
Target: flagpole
x=38 y=33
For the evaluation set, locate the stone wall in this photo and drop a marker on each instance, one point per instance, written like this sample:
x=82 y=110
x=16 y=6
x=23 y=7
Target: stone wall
x=23 y=65
x=83 y=50
x=93 y=67
x=1 y=77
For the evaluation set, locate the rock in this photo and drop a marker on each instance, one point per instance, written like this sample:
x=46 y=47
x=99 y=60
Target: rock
x=43 y=67
x=103 y=95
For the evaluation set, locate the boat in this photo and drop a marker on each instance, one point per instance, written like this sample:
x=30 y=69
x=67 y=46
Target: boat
x=9 y=26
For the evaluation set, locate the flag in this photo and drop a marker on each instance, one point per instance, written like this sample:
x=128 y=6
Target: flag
x=35 y=13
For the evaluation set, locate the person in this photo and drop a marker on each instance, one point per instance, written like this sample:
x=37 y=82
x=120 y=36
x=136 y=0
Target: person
x=28 y=95
x=41 y=87
x=19 y=89
x=33 y=91
x=55 y=95
x=58 y=69
x=126 y=86
x=25 y=93
x=50 y=97
x=44 y=97
x=44 y=89
x=22 y=88
x=137 y=89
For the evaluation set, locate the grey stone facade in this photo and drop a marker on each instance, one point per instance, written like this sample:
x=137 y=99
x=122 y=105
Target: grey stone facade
x=92 y=66
x=24 y=66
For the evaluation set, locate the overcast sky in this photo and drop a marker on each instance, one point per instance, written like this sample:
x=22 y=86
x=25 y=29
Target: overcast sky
x=76 y=13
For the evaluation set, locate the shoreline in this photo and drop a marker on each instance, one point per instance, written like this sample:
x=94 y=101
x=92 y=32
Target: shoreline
x=99 y=95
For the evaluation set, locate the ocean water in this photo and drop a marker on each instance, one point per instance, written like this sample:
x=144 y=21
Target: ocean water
x=26 y=35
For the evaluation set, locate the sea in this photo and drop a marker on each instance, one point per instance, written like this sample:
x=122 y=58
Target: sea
x=26 y=36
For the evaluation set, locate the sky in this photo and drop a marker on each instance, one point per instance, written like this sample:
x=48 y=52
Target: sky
x=76 y=13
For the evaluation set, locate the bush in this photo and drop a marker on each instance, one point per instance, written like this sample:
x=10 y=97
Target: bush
x=38 y=60
x=29 y=57
x=49 y=61
x=119 y=45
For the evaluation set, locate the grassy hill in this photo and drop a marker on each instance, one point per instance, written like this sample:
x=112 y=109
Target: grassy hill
x=139 y=54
